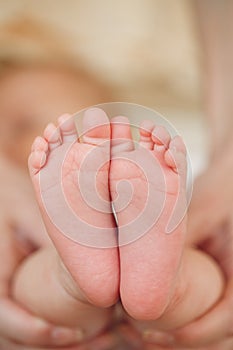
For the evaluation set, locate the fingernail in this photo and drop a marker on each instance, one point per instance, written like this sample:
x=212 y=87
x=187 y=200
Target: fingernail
x=65 y=335
x=79 y=335
x=41 y=323
x=160 y=338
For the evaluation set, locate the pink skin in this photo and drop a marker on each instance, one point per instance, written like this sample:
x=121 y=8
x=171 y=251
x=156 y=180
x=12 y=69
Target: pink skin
x=159 y=279
x=170 y=155
x=144 y=266
x=47 y=152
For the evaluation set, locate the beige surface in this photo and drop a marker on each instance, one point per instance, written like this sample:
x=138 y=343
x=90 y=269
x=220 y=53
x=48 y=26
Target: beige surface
x=146 y=49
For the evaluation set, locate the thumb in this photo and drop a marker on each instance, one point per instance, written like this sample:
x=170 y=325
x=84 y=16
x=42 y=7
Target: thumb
x=213 y=327
x=206 y=213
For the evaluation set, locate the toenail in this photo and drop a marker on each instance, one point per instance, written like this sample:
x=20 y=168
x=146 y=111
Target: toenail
x=79 y=335
x=157 y=337
x=41 y=324
x=67 y=335
x=173 y=148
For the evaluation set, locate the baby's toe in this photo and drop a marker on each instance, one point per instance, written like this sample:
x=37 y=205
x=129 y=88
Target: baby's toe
x=96 y=127
x=178 y=144
x=160 y=136
x=67 y=128
x=175 y=156
x=53 y=136
x=37 y=158
x=39 y=144
x=161 y=139
x=146 y=128
x=36 y=161
x=121 y=137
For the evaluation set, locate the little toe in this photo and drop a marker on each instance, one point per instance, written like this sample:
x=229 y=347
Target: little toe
x=36 y=161
x=67 y=128
x=52 y=135
x=122 y=140
x=161 y=136
x=175 y=156
x=40 y=144
x=178 y=144
x=145 y=130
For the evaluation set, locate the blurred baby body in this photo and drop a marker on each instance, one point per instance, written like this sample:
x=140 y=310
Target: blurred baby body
x=38 y=81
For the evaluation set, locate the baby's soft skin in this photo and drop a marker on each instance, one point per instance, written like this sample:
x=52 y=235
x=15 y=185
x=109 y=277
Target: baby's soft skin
x=161 y=283
x=83 y=300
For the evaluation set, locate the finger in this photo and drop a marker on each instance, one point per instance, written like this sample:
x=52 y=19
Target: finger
x=224 y=345
x=21 y=327
x=201 y=221
x=106 y=341
x=200 y=226
x=130 y=336
x=6 y=344
x=16 y=188
x=211 y=328
x=10 y=253
x=158 y=347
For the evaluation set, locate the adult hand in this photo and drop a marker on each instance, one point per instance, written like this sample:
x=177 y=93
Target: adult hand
x=20 y=330
x=159 y=341
x=105 y=341
x=17 y=215
x=225 y=345
x=18 y=207
x=211 y=229
x=17 y=326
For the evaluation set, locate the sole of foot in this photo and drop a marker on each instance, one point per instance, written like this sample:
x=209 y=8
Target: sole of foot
x=57 y=161
x=148 y=189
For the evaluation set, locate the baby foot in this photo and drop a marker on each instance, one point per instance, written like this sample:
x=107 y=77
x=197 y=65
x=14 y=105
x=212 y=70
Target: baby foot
x=59 y=166
x=149 y=204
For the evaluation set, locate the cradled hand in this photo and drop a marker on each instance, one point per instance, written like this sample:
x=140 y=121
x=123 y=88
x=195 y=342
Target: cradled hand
x=18 y=207
x=105 y=341
x=135 y=341
x=16 y=325
x=225 y=345
x=18 y=328
x=211 y=229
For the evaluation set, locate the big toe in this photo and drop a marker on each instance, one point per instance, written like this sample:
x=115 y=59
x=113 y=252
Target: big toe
x=96 y=126
x=121 y=135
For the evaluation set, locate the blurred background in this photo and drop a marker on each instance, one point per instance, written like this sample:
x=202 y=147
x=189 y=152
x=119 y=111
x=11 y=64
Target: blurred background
x=59 y=56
